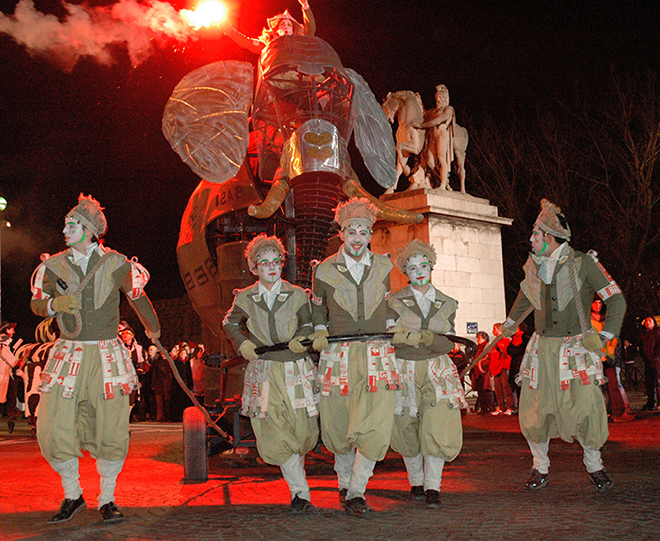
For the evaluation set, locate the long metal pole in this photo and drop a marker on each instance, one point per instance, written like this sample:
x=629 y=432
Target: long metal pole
x=0 y=270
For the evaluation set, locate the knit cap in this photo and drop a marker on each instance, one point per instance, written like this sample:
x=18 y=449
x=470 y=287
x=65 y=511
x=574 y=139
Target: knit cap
x=89 y=212
x=548 y=221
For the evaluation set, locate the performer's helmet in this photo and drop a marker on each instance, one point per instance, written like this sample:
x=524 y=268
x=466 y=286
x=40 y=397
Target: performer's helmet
x=89 y=213
x=356 y=210
x=415 y=247
x=552 y=221
x=274 y=22
x=259 y=244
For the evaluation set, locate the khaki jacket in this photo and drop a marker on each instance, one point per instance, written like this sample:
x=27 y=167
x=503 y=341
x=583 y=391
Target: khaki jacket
x=250 y=319
x=346 y=307
x=99 y=302
x=555 y=312
x=440 y=320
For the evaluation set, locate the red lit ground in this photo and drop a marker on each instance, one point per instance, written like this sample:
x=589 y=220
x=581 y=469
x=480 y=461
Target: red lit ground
x=482 y=493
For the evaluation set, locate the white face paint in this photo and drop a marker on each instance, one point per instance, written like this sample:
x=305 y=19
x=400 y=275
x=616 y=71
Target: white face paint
x=537 y=240
x=418 y=269
x=285 y=28
x=74 y=232
x=356 y=239
x=269 y=266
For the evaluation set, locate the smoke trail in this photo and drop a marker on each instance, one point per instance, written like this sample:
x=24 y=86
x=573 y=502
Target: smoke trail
x=97 y=31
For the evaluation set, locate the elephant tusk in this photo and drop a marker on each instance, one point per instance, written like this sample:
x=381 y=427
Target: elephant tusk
x=274 y=199
x=353 y=188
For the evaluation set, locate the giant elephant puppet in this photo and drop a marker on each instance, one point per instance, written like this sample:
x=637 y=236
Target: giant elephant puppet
x=280 y=158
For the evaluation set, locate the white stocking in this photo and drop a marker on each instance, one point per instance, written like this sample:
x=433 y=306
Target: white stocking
x=592 y=459
x=293 y=471
x=363 y=469
x=433 y=466
x=108 y=470
x=415 y=469
x=344 y=467
x=541 y=461
x=70 y=478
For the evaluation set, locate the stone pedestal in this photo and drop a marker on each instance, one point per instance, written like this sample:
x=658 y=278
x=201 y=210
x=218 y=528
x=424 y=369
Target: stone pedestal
x=466 y=234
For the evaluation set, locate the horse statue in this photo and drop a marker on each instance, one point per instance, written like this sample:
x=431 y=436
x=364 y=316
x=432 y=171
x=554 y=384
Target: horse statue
x=412 y=140
x=406 y=106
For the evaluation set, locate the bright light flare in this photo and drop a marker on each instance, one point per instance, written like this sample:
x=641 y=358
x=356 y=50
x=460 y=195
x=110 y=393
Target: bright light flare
x=207 y=14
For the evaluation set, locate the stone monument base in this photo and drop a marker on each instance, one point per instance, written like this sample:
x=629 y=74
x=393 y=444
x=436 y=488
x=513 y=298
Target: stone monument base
x=466 y=233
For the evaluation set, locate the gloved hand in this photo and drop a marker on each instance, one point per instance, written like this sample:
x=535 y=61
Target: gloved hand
x=592 y=342
x=319 y=339
x=296 y=346
x=399 y=335
x=66 y=303
x=413 y=338
x=247 y=349
x=508 y=332
x=427 y=337
x=152 y=335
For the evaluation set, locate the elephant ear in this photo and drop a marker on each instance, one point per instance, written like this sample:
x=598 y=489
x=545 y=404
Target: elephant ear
x=373 y=133
x=206 y=119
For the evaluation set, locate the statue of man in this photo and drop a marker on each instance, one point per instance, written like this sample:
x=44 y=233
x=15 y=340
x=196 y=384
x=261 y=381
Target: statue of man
x=440 y=124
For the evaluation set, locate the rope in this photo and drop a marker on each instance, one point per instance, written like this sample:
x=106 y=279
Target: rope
x=192 y=397
x=60 y=315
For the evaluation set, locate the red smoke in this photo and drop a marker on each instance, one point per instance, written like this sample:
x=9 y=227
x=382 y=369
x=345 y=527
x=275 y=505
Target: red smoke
x=97 y=31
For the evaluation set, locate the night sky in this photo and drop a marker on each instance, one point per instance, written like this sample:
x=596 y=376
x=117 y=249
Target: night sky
x=96 y=128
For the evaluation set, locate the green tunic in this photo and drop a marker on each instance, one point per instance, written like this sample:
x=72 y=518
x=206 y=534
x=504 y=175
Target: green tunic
x=358 y=414
x=280 y=391
x=428 y=417
x=88 y=378
x=559 y=378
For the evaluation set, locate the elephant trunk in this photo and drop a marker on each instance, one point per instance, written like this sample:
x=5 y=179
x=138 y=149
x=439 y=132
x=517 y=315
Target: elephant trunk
x=273 y=201
x=352 y=188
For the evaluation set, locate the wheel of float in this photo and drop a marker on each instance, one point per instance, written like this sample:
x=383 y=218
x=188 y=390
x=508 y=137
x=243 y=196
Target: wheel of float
x=195 y=462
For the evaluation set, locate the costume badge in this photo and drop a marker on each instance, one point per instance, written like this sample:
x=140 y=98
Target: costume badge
x=282 y=297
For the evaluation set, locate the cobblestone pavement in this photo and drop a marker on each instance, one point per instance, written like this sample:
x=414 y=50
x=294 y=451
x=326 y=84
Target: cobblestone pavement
x=482 y=493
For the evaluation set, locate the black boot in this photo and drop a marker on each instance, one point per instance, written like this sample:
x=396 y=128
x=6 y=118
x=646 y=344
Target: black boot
x=111 y=513
x=68 y=509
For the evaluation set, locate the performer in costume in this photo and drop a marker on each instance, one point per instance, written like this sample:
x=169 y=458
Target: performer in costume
x=282 y=24
x=89 y=375
x=358 y=379
x=562 y=370
x=427 y=422
x=280 y=392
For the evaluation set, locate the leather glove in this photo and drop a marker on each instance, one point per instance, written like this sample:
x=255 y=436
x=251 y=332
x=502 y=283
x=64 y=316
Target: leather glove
x=508 y=332
x=399 y=335
x=319 y=339
x=296 y=346
x=413 y=338
x=592 y=342
x=66 y=303
x=427 y=337
x=247 y=349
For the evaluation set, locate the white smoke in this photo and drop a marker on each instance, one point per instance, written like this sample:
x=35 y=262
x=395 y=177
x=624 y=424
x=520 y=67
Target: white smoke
x=97 y=31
